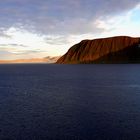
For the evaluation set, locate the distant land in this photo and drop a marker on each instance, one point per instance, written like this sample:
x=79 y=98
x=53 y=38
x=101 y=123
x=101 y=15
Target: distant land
x=119 y=49
x=32 y=60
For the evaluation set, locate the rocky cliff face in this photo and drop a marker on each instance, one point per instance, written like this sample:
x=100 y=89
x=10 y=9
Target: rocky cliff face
x=121 y=49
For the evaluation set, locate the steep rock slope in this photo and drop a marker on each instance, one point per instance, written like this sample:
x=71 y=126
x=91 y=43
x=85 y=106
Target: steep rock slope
x=120 y=49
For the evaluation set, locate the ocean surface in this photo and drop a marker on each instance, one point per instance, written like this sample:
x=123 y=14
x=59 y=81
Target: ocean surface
x=69 y=102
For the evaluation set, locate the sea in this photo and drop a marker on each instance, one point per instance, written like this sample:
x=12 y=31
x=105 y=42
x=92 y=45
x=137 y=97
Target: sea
x=70 y=102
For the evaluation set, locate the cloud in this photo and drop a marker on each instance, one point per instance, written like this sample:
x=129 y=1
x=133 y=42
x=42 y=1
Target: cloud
x=50 y=27
x=56 y=40
x=81 y=18
x=7 y=53
x=3 y=34
x=13 y=45
x=60 y=16
x=18 y=49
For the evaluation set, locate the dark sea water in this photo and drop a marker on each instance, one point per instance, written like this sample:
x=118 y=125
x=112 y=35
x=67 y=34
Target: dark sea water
x=69 y=102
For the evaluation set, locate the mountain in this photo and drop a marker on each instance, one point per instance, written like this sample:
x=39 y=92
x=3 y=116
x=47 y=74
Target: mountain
x=119 y=49
x=47 y=59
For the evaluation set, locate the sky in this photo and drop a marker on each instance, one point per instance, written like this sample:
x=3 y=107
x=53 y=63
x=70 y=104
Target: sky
x=40 y=28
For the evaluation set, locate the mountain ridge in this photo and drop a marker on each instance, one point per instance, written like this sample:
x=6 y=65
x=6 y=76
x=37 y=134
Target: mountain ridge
x=117 y=49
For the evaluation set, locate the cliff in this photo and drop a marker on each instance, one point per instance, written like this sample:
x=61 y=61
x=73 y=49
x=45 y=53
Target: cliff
x=120 y=49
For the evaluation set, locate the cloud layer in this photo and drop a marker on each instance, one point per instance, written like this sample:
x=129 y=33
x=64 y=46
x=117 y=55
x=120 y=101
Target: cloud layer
x=52 y=26
x=60 y=16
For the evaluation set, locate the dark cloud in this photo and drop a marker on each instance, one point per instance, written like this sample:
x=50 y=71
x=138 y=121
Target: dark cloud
x=61 y=16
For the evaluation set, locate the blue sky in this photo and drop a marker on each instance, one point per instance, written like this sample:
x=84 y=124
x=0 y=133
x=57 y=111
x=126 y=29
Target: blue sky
x=39 y=28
